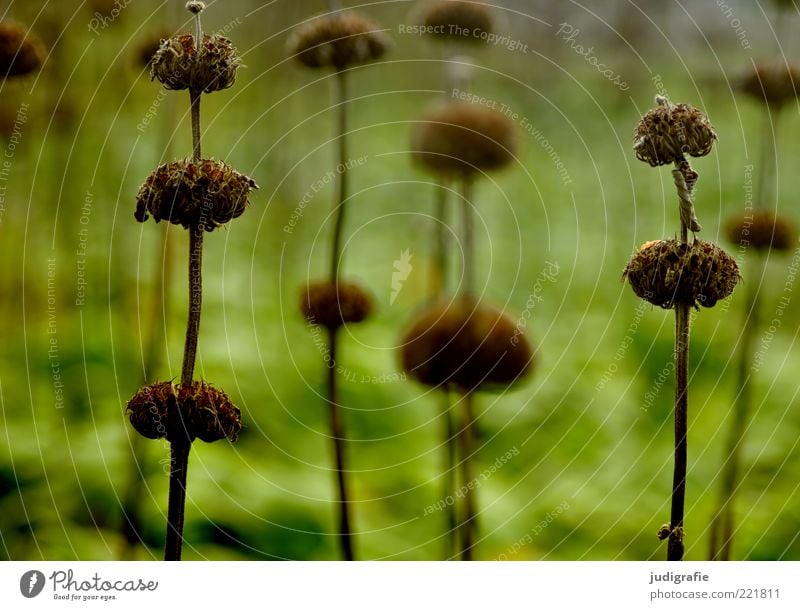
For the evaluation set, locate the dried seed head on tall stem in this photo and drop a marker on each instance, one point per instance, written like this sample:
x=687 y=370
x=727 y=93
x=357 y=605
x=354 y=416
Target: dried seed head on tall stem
x=772 y=84
x=457 y=19
x=21 y=51
x=762 y=231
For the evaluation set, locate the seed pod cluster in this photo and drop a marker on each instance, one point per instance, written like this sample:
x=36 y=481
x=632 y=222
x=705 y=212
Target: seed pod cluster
x=457 y=19
x=178 y=64
x=190 y=194
x=21 y=52
x=470 y=345
x=669 y=132
x=771 y=84
x=338 y=40
x=762 y=231
x=166 y=410
x=333 y=305
x=461 y=139
x=667 y=272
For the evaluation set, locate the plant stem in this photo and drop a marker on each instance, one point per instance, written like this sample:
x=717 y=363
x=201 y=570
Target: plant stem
x=469 y=237
x=449 y=483
x=439 y=275
x=467 y=526
x=341 y=132
x=337 y=435
x=179 y=464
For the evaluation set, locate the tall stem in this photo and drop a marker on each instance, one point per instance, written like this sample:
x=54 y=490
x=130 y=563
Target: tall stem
x=449 y=466
x=341 y=132
x=439 y=275
x=337 y=436
x=469 y=236
x=468 y=524
x=179 y=464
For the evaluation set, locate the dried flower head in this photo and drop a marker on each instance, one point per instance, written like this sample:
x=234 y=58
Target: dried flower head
x=190 y=194
x=210 y=413
x=472 y=346
x=457 y=19
x=668 y=133
x=666 y=272
x=338 y=40
x=149 y=45
x=321 y=303
x=150 y=407
x=762 y=231
x=772 y=84
x=21 y=52
x=463 y=139
x=178 y=65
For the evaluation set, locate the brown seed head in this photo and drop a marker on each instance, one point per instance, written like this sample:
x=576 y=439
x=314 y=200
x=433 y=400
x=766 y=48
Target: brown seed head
x=321 y=303
x=150 y=407
x=666 y=272
x=210 y=413
x=148 y=47
x=189 y=194
x=457 y=19
x=178 y=65
x=771 y=84
x=21 y=52
x=668 y=132
x=762 y=231
x=472 y=346
x=463 y=139
x=338 y=40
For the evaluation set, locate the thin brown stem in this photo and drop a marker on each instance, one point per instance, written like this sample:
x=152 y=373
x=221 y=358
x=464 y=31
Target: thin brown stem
x=179 y=464
x=341 y=168
x=469 y=237
x=194 y=100
x=468 y=524
x=338 y=438
x=449 y=466
x=439 y=274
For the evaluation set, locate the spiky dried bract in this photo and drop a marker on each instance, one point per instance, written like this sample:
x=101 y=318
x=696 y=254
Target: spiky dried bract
x=762 y=231
x=207 y=193
x=772 y=84
x=178 y=65
x=323 y=304
x=338 y=40
x=21 y=52
x=472 y=346
x=463 y=139
x=457 y=19
x=150 y=407
x=210 y=413
x=669 y=132
x=666 y=272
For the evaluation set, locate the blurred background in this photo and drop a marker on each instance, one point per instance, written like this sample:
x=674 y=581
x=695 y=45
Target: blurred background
x=590 y=432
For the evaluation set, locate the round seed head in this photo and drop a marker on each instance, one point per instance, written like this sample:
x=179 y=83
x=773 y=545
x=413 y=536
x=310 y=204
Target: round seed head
x=762 y=231
x=209 y=412
x=150 y=407
x=771 y=84
x=666 y=272
x=177 y=64
x=195 y=7
x=338 y=40
x=668 y=132
x=472 y=346
x=21 y=52
x=463 y=139
x=457 y=19
x=207 y=193
x=323 y=304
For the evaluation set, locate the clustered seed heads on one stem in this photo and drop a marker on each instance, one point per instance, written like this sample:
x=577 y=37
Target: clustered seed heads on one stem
x=337 y=40
x=678 y=274
x=200 y=195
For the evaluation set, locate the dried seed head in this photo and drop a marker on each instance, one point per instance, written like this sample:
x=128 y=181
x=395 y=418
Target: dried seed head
x=207 y=193
x=668 y=132
x=666 y=272
x=150 y=407
x=457 y=19
x=21 y=52
x=209 y=412
x=178 y=65
x=771 y=84
x=762 y=231
x=338 y=40
x=148 y=47
x=463 y=139
x=472 y=346
x=195 y=7
x=321 y=303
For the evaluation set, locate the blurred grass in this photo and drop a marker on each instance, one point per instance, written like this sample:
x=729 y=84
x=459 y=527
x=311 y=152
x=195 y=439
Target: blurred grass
x=63 y=471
